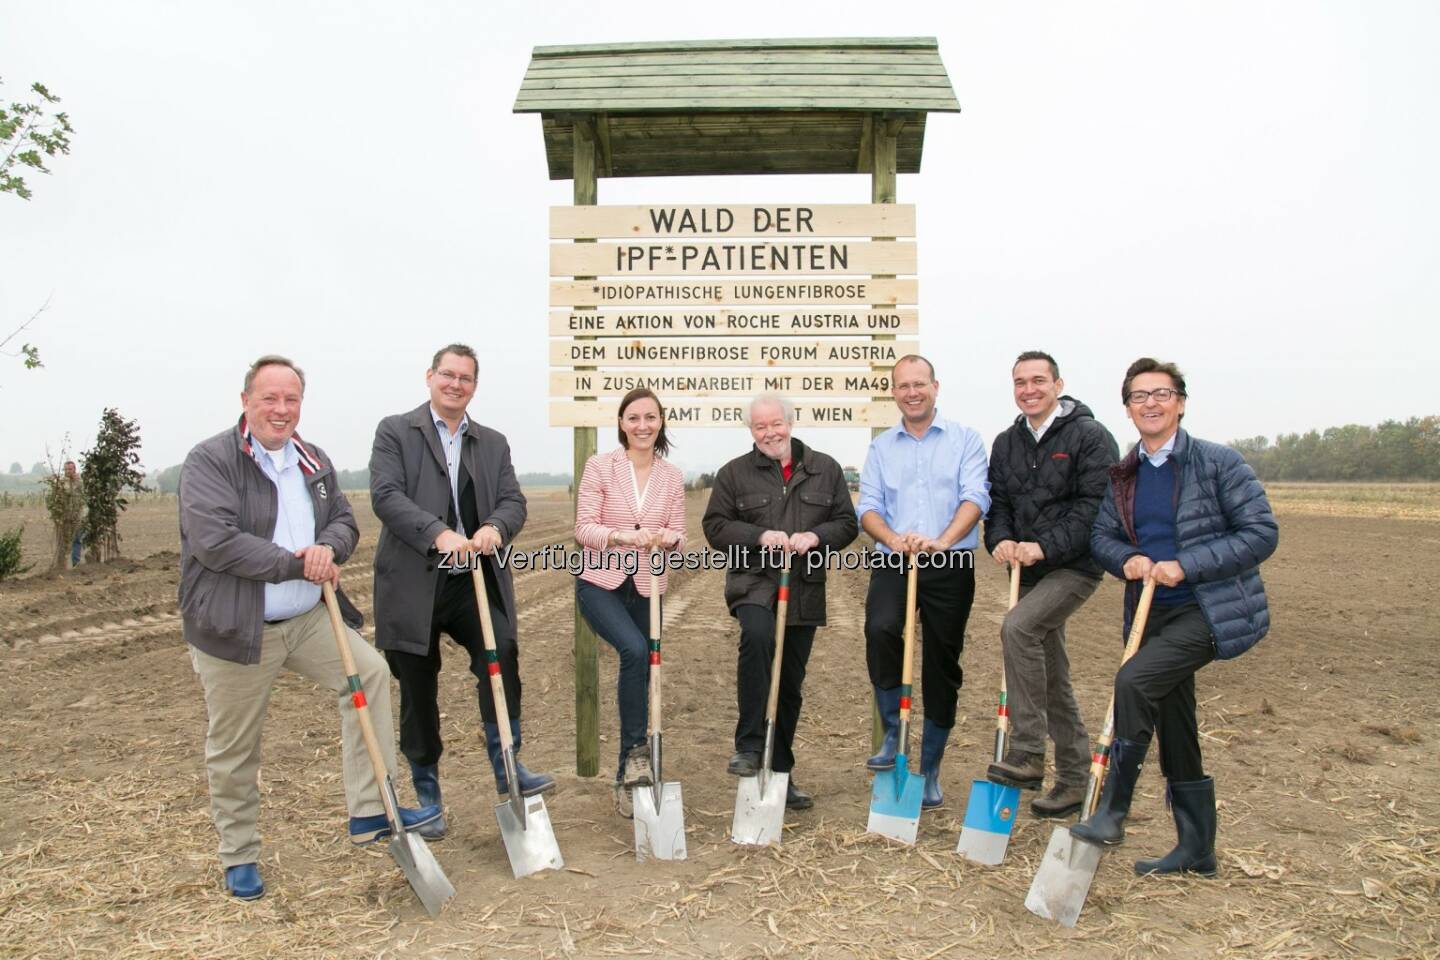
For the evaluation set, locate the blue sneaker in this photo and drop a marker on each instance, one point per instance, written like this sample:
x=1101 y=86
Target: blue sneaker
x=243 y=881
x=367 y=830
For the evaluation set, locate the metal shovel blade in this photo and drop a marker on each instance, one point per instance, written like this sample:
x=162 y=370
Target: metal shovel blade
x=895 y=802
x=530 y=845
x=760 y=814
x=1063 y=880
x=989 y=821
x=423 y=871
x=659 y=834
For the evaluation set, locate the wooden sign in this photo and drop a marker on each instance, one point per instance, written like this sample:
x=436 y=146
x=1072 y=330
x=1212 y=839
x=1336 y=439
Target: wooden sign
x=691 y=291
x=720 y=413
x=812 y=220
x=791 y=257
x=720 y=383
x=728 y=353
x=820 y=321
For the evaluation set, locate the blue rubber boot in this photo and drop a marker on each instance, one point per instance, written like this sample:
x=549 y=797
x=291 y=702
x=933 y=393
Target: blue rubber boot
x=932 y=751
x=888 y=703
x=367 y=830
x=243 y=881
x=427 y=793
x=530 y=783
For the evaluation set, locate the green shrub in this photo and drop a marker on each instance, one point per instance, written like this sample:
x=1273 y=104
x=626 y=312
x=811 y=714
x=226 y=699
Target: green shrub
x=10 y=553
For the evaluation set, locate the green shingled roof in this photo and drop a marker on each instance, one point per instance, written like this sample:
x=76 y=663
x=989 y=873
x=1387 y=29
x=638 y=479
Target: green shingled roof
x=736 y=106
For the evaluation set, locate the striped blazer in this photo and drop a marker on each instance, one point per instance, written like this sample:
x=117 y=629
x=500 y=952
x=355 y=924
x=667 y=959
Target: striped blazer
x=607 y=502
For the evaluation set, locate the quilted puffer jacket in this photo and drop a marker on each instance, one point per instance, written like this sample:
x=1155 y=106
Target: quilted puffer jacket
x=1224 y=530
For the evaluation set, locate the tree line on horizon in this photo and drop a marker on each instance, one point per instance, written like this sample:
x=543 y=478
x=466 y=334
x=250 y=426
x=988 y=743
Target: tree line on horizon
x=1394 y=450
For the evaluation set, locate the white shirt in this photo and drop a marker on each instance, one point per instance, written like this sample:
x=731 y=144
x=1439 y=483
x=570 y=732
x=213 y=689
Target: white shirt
x=452 y=443
x=1158 y=458
x=294 y=528
x=1063 y=407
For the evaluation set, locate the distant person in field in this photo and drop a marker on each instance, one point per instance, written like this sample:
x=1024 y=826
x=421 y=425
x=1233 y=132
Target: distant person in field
x=923 y=490
x=263 y=524
x=780 y=497
x=446 y=495
x=632 y=501
x=75 y=489
x=1191 y=515
x=1048 y=473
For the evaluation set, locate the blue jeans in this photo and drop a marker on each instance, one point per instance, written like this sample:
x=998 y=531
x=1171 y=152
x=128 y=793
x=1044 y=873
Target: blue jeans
x=621 y=617
x=75 y=546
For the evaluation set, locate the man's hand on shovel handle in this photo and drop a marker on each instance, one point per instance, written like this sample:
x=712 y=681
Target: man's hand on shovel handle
x=320 y=564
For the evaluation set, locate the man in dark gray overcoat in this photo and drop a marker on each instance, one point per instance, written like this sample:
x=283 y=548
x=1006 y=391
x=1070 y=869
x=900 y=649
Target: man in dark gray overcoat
x=445 y=491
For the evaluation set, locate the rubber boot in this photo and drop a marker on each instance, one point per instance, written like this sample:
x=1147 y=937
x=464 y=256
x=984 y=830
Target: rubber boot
x=888 y=703
x=1107 y=825
x=427 y=794
x=932 y=751
x=1192 y=803
x=530 y=783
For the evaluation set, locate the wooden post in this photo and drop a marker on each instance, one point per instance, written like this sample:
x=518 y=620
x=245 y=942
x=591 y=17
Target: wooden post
x=883 y=136
x=587 y=664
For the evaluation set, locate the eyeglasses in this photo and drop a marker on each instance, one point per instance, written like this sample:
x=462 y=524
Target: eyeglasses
x=1137 y=398
x=449 y=377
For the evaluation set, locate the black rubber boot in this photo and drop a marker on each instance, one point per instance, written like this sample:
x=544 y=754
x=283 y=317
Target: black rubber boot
x=1107 y=825
x=1193 y=806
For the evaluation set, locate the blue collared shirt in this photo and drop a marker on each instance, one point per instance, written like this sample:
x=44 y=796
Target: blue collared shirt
x=452 y=443
x=294 y=530
x=917 y=485
x=1159 y=457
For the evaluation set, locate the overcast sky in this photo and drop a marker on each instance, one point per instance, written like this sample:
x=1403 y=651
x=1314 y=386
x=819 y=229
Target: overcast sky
x=1248 y=189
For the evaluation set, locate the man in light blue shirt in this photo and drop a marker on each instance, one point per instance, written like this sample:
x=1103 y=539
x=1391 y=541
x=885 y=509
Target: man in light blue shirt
x=923 y=490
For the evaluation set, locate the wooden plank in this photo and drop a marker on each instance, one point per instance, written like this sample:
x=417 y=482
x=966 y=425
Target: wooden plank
x=781 y=43
x=672 y=258
x=723 y=413
x=741 y=79
x=586 y=643
x=723 y=99
x=892 y=66
x=734 y=220
x=854 y=384
x=701 y=322
x=690 y=291
x=754 y=352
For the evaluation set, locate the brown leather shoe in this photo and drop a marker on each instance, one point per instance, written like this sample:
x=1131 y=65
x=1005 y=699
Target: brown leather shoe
x=1062 y=800
x=1019 y=769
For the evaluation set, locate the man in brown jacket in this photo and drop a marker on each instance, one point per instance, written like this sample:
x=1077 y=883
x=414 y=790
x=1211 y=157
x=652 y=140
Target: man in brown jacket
x=781 y=496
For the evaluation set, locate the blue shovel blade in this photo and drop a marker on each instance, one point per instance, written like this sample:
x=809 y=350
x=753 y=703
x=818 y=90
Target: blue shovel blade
x=989 y=820
x=895 y=802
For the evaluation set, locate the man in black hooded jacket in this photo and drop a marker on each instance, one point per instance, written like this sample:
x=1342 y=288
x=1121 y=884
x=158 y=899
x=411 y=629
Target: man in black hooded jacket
x=1048 y=473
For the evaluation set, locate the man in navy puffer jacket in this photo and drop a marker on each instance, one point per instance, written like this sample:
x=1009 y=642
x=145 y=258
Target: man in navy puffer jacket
x=1191 y=515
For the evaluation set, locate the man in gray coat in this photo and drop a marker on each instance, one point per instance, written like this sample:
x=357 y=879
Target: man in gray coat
x=444 y=490
x=263 y=524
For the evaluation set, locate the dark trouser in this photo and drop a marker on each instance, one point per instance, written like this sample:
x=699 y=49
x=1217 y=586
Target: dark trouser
x=621 y=617
x=944 y=597
x=1155 y=691
x=1037 y=672
x=752 y=682
x=455 y=614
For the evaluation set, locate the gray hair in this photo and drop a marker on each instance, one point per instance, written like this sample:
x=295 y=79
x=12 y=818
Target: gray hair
x=764 y=399
x=273 y=360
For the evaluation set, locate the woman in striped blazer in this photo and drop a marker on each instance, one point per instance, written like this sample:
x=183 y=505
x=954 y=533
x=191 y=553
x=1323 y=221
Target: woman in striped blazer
x=632 y=501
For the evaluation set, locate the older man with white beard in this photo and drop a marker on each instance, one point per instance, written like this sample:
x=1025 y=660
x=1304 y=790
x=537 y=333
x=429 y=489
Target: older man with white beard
x=780 y=497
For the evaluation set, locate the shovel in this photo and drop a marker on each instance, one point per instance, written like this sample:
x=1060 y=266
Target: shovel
x=1063 y=880
x=408 y=849
x=760 y=800
x=896 y=795
x=524 y=822
x=990 y=814
x=658 y=809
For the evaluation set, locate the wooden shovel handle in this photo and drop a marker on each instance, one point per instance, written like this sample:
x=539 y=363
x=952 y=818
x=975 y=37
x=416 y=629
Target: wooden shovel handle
x=1002 y=715
x=1100 y=758
x=655 y=558
x=782 y=608
x=362 y=707
x=907 y=669
x=492 y=658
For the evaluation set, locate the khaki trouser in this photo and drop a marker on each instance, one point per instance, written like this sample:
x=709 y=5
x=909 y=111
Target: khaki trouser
x=236 y=696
